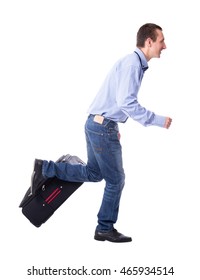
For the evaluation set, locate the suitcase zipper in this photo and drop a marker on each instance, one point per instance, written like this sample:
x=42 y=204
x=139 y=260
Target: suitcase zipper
x=53 y=195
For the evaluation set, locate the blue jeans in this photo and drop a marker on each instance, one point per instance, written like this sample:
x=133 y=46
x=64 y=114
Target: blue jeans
x=104 y=162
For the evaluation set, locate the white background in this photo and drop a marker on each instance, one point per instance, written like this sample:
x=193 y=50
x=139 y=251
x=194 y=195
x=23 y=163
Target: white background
x=54 y=56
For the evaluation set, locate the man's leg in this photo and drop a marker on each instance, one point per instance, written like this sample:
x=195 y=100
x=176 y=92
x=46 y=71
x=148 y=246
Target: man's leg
x=76 y=172
x=105 y=143
x=109 y=158
x=108 y=154
x=65 y=171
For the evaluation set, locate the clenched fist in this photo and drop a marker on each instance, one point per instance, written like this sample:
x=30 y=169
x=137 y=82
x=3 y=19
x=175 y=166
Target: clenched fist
x=168 y=122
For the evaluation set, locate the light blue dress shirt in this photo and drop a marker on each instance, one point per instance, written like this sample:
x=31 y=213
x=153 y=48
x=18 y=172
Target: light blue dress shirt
x=117 y=98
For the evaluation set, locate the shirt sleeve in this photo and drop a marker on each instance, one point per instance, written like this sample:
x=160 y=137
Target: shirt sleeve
x=128 y=85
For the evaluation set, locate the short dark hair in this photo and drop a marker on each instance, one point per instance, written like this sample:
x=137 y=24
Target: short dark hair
x=147 y=30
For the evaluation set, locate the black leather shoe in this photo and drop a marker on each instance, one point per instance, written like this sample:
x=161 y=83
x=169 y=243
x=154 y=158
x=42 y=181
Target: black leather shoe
x=112 y=236
x=37 y=179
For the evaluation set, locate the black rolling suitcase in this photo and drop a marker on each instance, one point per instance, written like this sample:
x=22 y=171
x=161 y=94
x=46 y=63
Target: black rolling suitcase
x=39 y=206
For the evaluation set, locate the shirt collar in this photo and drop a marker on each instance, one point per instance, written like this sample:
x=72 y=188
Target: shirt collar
x=142 y=58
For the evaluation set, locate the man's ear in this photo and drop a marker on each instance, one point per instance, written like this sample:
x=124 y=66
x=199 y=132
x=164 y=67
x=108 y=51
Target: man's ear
x=148 y=42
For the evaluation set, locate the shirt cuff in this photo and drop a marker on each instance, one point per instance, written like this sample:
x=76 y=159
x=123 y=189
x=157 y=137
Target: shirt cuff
x=159 y=121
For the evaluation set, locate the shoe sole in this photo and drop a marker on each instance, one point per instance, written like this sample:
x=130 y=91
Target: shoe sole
x=32 y=179
x=99 y=238
x=107 y=239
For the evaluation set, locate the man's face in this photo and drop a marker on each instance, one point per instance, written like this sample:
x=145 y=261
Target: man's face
x=158 y=45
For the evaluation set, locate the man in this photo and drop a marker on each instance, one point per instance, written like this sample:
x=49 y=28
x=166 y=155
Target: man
x=115 y=102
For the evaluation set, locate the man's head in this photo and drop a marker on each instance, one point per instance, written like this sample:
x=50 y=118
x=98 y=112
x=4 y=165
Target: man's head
x=150 y=40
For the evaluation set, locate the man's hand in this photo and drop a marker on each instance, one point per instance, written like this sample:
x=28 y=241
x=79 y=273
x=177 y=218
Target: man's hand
x=168 y=122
